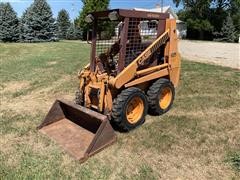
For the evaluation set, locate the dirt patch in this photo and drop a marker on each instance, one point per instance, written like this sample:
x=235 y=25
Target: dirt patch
x=66 y=160
x=179 y=163
x=120 y=159
x=211 y=112
x=13 y=161
x=14 y=86
x=52 y=63
x=7 y=142
x=33 y=103
x=36 y=101
x=37 y=144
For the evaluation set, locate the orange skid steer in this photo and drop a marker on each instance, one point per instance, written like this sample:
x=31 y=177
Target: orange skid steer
x=134 y=69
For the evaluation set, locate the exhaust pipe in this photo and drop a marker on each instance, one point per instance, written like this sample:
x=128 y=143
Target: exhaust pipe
x=80 y=131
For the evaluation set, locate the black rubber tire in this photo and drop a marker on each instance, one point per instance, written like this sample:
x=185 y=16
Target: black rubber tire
x=78 y=98
x=153 y=95
x=120 y=105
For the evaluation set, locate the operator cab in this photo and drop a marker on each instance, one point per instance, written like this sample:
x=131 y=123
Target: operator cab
x=119 y=37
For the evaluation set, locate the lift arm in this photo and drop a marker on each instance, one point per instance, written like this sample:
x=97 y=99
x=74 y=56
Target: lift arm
x=130 y=71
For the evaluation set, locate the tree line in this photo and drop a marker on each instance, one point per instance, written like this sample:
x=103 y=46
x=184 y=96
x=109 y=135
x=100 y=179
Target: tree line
x=36 y=24
x=206 y=20
x=217 y=20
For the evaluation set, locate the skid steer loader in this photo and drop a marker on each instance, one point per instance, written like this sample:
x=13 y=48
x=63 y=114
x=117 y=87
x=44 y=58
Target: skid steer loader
x=134 y=69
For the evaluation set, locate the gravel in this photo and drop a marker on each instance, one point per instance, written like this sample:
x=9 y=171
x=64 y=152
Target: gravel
x=224 y=54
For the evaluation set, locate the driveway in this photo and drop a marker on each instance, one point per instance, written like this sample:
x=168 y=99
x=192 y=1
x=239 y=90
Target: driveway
x=224 y=54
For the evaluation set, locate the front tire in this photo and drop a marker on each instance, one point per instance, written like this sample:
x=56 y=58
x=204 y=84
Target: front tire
x=129 y=109
x=160 y=96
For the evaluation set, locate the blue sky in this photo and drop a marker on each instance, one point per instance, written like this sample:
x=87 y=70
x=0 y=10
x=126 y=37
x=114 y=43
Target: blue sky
x=74 y=6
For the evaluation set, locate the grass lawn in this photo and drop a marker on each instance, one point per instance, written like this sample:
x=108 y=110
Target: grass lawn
x=199 y=138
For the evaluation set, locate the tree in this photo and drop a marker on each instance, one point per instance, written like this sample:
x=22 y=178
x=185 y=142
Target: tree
x=9 y=23
x=63 y=23
x=73 y=33
x=235 y=13
x=196 y=15
x=23 y=27
x=204 y=17
x=37 y=23
x=228 y=32
x=218 y=13
x=90 y=6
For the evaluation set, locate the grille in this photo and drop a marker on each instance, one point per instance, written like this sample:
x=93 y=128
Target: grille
x=141 y=33
x=107 y=36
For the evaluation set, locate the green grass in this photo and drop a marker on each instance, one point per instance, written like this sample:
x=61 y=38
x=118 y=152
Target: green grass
x=191 y=141
x=41 y=64
x=234 y=159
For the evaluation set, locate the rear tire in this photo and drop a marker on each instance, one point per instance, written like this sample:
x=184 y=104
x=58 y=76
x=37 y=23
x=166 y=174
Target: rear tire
x=160 y=96
x=129 y=109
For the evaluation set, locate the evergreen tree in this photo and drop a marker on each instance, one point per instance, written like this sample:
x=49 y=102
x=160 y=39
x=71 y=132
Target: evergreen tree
x=24 y=29
x=90 y=6
x=228 y=32
x=63 y=23
x=37 y=23
x=73 y=33
x=9 y=24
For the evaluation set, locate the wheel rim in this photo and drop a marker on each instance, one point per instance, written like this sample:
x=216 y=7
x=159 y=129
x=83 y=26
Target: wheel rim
x=165 y=98
x=135 y=109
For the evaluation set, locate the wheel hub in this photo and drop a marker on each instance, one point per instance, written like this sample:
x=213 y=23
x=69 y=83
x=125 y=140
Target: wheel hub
x=134 y=110
x=165 y=98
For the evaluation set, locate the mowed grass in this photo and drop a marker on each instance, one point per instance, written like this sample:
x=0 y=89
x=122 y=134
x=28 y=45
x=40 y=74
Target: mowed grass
x=199 y=138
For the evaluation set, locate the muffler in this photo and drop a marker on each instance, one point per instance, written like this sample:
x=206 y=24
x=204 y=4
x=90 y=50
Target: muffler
x=80 y=131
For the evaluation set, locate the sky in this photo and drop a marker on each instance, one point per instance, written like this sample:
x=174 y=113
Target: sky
x=75 y=6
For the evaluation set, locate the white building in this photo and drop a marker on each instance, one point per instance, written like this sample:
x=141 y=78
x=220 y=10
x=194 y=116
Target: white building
x=181 y=26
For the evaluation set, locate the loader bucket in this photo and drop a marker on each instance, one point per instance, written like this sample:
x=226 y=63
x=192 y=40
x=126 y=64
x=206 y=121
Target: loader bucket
x=79 y=130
